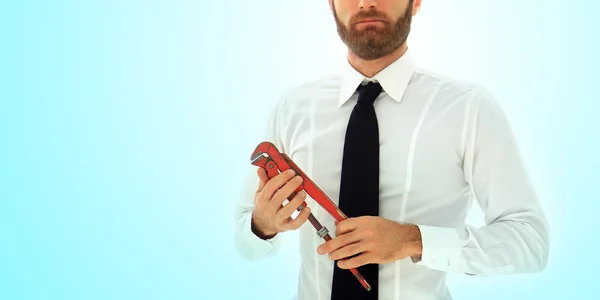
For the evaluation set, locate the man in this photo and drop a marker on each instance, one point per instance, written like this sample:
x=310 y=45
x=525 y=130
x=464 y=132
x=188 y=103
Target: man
x=404 y=153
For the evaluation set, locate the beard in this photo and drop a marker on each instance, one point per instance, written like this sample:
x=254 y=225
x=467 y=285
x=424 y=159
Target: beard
x=373 y=42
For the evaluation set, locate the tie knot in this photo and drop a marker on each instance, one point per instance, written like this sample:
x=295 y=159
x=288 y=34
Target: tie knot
x=368 y=93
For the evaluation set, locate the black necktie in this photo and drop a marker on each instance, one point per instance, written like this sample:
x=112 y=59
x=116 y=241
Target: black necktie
x=359 y=188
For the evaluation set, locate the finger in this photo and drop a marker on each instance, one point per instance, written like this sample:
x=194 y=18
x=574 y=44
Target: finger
x=285 y=191
x=346 y=226
x=274 y=184
x=301 y=218
x=291 y=207
x=355 y=262
x=338 y=242
x=348 y=250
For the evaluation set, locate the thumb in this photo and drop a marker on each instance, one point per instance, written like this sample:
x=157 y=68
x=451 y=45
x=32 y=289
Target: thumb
x=263 y=178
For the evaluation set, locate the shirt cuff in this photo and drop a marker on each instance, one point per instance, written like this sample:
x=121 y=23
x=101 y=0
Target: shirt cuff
x=253 y=246
x=441 y=246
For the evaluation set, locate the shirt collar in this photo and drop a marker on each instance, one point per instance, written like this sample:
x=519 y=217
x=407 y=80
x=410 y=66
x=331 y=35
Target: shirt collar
x=393 y=79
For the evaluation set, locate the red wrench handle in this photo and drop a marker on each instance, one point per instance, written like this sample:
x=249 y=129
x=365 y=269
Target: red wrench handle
x=283 y=163
x=315 y=192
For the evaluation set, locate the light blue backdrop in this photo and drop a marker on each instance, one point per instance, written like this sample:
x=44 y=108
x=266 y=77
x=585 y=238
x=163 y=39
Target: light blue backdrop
x=126 y=129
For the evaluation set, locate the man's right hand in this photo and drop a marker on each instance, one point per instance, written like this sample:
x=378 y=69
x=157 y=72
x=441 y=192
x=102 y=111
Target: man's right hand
x=270 y=216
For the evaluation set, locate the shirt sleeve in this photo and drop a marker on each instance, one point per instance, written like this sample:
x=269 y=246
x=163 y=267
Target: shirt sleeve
x=515 y=237
x=248 y=244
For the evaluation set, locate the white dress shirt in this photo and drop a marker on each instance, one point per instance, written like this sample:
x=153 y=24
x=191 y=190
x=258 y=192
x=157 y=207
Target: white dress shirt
x=444 y=144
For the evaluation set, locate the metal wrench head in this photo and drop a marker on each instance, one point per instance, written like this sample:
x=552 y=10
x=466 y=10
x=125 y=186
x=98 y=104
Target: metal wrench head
x=262 y=154
x=260 y=159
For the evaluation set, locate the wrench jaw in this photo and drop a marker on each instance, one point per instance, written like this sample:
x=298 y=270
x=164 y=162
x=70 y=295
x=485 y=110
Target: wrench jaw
x=265 y=156
x=261 y=155
x=260 y=159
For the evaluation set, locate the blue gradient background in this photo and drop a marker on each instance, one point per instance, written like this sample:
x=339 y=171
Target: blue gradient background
x=126 y=129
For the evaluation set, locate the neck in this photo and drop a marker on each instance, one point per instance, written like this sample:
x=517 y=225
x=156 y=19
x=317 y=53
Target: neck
x=371 y=67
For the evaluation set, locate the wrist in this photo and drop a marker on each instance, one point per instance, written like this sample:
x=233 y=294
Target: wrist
x=416 y=244
x=410 y=242
x=258 y=230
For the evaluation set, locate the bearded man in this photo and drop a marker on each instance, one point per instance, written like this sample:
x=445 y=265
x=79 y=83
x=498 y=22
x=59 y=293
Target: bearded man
x=405 y=153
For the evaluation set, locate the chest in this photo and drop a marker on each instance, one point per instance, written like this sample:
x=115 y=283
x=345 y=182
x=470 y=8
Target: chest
x=421 y=149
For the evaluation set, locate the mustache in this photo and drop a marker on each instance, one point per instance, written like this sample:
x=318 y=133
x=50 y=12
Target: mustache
x=371 y=14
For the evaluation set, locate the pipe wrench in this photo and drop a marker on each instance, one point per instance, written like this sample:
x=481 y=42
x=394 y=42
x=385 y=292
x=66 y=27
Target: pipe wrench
x=267 y=156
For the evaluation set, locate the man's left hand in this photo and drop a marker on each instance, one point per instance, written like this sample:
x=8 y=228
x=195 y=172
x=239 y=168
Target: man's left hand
x=377 y=241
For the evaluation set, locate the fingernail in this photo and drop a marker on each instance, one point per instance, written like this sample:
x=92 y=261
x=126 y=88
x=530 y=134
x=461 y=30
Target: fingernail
x=302 y=194
x=290 y=171
x=320 y=250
